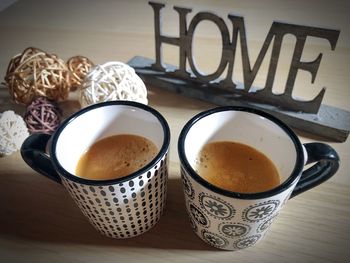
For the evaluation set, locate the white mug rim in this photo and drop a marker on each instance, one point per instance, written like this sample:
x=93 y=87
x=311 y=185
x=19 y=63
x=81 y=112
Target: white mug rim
x=295 y=174
x=163 y=150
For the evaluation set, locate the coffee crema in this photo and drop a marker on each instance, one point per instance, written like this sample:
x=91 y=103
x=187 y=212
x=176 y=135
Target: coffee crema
x=236 y=167
x=115 y=157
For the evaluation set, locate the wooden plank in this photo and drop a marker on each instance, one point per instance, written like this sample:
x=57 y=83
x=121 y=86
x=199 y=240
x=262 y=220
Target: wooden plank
x=330 y=123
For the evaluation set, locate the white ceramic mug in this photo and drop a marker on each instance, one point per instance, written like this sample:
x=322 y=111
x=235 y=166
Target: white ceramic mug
x=231 y=220
x=118 y=208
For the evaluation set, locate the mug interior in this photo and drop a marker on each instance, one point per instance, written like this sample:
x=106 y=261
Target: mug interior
x=244 y=127
x=96 y=123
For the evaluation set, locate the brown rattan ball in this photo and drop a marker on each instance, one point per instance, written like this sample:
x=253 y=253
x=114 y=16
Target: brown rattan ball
x=36 y=73
x=79 y=66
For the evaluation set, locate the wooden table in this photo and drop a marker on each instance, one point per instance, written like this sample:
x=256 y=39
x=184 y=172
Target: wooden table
x=38 y=220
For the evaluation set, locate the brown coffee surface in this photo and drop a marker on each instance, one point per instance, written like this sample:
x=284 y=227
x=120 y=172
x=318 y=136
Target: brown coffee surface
x=116 y=156
x=236 y=167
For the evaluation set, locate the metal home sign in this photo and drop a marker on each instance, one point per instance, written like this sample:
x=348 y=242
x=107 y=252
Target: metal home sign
x=219 y=88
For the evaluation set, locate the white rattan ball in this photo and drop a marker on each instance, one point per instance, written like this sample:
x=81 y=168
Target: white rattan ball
x=13 y=132
x=112 y=81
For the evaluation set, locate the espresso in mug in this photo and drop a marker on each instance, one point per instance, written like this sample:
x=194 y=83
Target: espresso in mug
x=115 y=157
x=236 y=167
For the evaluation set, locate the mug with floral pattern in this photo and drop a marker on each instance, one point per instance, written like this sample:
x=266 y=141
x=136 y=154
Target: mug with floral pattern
x=231 y=220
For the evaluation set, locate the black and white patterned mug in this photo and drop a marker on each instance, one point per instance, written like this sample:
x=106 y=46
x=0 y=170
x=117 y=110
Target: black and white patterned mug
x=230 y=220
x=118 y=208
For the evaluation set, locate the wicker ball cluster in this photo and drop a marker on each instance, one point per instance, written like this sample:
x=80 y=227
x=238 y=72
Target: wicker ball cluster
x=40 y=80
x=13 y=132
x=42 y=115
x=36 y=73
x=112 y=81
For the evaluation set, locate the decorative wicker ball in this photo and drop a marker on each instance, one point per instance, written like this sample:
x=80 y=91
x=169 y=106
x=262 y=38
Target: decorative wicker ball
x=13 y=132
x=79 y=67
x=112 y=81
x=36 y=73
x=42 y=115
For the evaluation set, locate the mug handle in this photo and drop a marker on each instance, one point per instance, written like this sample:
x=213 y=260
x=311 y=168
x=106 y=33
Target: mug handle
x=33 y=151
x=327 y=164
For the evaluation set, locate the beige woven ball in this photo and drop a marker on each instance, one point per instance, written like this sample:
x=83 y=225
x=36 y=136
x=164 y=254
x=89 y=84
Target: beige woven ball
x=79 y=67
x=35 y=73
x=13 y=132
x=112 y=81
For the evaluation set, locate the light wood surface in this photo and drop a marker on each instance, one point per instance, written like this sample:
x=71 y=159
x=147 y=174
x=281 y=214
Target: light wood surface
x=39 y=222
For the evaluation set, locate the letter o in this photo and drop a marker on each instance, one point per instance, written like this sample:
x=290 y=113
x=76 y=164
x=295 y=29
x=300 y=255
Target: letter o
x=225 y=43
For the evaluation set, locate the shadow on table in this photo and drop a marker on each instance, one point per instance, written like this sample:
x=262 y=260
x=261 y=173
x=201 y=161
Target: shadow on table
x=48 y=214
